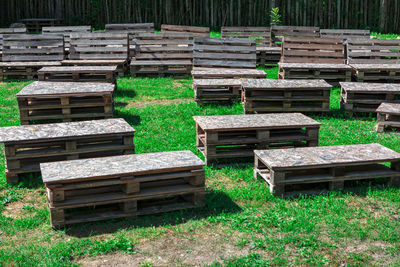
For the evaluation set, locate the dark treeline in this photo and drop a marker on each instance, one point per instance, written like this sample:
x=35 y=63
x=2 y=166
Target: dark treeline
x=379 y=15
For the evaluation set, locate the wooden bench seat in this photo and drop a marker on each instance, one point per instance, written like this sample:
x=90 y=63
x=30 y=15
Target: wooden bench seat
x=209 y=90
x=226 y=73
x=269 y=95
x=318 y=169
x=236 y=136
x=29 y=145
x=388 y=116
x=123 y=186
x=385 y=73
x=359 y=97
x=65 y=101
x=78 y=73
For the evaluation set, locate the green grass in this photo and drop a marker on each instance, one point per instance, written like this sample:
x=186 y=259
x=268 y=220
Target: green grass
x=242 y=223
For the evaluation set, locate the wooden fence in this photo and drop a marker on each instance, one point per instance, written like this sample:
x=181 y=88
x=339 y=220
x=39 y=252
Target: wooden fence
x=382 y=15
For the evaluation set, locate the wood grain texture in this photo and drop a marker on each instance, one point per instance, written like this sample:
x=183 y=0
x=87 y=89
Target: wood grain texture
x=389 y=108
x=370 y=87
x=292 y=84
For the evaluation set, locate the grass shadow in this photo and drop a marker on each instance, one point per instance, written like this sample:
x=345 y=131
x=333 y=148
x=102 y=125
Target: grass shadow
x=216 y=203
x=132 y=119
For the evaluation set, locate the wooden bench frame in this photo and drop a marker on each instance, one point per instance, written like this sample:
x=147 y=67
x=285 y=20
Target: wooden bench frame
x=8 y=31
x=194 y=30
x=66 y=32
x=388 y=116
x=344 y=33
x=278 y=32
x=78 y=74
x=36 y=24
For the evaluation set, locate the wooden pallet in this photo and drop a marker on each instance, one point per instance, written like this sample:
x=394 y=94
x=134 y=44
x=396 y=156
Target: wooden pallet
x=29 y=145
x=36 y=24
x=165 y=54
x=193 y=30
x=131 y=29
x=388 y=116
x=236 y=136
x=331 y=73
x=7 y=31
x=268 y=56
x=344 y=33
x=24 y=54
x=210 y=90
x=66 y=32
x=224 y=53
x=227 y=73
x=366 y=97
x=260 y=34
x=327 y=166
x=78 y=74
x=65 y=101
x=135 y=185
x=375 y=73
x=373 y=51
x=268 y=95
x=279 y=32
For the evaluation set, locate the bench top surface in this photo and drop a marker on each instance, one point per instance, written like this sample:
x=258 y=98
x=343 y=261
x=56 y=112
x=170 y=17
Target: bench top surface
x=370 y=87
x=93 y=61
x=218 y=71
x=135 y=164
x=388 y=66
x=30 y=64
x=160 y=62
x=326 y=155
x=277 y=50
x=314 y=66
x=64 y=130
x=254 y=121
x=273 y=84
x=389 y=108
x=79 y=69
x=217 y=82
x=38 y=88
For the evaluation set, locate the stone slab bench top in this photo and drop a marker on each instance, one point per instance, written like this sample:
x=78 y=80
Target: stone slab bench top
x=135 y=164
x=64 y=130
x=389 y=108
x=370 y=87
x=389 y=66
x=315 y=66
x=218 y=71
x=326 y=156
x=255 y=121
x=217 y=82
x=81 y=69
x=273 y=84
x=39 y=88
x=30 y=64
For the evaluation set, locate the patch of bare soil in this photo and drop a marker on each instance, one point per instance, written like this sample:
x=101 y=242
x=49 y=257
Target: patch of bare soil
x=21 y=208
x=143 y=104
x=173 y=249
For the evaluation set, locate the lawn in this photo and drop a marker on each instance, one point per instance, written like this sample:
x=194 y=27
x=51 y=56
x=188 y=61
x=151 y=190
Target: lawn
x=242 y=223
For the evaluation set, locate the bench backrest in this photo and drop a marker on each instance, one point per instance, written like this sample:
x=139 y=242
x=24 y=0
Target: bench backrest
x=313 y=50
x=260 y=34
x=33 y=47
x=371 y=51
x=130 y=28
x=344 y=33
x=99 y=45
x=66 y=31
x=7 y=31
x=163 y=46
x=224 y=52
x=278 y=32
x=196 y=31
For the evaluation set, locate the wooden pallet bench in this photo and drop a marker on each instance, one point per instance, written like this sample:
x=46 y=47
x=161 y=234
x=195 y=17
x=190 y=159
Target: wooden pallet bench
x=374 y=60
x=7 y=31
x=236 y=136
x=123 y=186
x=316 y=169
x=260 y=34
x=268 y=95
x=65 y=101
x=226 y=73
x=29 y=145
x=165 y=54
x=66 y=32
x=78 y=74
x=210 y=90
x=36 y=24
x=268 y=56
x=366 y=97
x=195 y=31
x=388 y=116
x=25 y=54
x=279 y=32
x=99 y=49
x=344 y=33
x=131 y=29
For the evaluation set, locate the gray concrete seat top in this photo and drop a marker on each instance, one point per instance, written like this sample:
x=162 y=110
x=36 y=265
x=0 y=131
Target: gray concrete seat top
x=389 y=108
x=326 y=156
x=255 y=121
x=314 y=65
x=56 y=131
x=135 y=164
x=273 y=83
x=370 y=87
x=39 y=88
